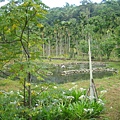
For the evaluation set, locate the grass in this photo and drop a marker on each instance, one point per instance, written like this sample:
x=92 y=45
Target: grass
x=60 y=61
x=111 y=84
x=9 y=85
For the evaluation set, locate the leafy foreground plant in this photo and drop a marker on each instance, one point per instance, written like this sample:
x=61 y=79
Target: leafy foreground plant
x=50 y=103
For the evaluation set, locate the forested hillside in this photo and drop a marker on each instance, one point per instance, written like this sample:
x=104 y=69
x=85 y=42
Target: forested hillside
x=67 y=29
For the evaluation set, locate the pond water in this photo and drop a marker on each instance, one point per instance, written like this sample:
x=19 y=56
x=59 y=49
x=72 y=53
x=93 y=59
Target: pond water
x=57 y=77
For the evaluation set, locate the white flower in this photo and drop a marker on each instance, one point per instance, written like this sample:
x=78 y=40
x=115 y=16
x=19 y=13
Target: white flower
x=21 y=96
x=13 y=102
x=103 y=91
x=63 y=92
x=70 y=89
x=54 y=103
x=11 y=92
x=36 y=104
x=73 y=83
x=44 y=88
x=100 y=102
x=70 y=97
x=60 y=110
x=55 y=100
x=81 y=97
x=88 y=110
x=63 y=66
x=82 y=89
x=55 y=87
x=18 y=92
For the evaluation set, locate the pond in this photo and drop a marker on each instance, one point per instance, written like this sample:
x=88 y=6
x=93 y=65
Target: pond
x=75 y=72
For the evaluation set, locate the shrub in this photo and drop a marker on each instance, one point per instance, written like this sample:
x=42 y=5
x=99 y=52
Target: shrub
x=50 y=103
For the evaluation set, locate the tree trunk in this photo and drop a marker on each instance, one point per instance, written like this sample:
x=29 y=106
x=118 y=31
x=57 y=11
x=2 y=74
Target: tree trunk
x=69 y=44
x=49 y=51
x=29 y=90
x=56 y=46
x=29 y=74
x=43 y=49
x=24 y=92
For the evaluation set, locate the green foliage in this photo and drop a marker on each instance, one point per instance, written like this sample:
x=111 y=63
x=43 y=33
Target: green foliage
x=50 y=103
x=20 y=41
x=71 y=25
x=84 y=46
x=107 y=46
x=117 y=37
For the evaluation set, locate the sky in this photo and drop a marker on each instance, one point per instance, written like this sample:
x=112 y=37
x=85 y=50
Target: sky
x=61 y=3
x=3 y=3
x=56 y=3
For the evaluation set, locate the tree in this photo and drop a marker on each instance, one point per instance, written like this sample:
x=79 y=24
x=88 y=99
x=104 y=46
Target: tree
x=20 y=41
x=65 y=29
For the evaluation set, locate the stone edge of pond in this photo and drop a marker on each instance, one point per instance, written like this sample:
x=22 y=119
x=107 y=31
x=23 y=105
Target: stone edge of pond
x=75 y=63
x=68 y=72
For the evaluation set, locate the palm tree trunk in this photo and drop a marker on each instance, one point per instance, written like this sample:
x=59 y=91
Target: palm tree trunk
x=69 y=43
x=49 y=51
x=56 y=46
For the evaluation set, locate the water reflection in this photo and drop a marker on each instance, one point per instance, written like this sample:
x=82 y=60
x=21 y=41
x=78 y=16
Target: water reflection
x=56 y=71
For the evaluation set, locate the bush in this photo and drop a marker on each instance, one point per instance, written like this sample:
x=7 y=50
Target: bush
x=50 y=104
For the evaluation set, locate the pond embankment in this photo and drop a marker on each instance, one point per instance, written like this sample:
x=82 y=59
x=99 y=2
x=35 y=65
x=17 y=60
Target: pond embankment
x=74 y=71
x=87 y=71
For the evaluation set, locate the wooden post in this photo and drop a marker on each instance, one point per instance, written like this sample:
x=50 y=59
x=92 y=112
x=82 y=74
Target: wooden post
x=93 y=92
